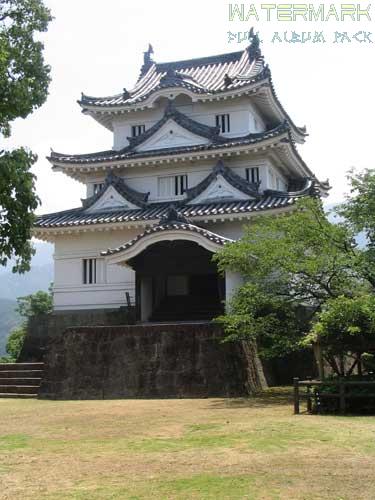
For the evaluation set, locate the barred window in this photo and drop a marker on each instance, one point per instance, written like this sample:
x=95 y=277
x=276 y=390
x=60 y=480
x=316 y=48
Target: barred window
x=89 y=271
x=252 y=174
x=223 y=122
x=98 y=187
x=172 y=185
x=138 y=130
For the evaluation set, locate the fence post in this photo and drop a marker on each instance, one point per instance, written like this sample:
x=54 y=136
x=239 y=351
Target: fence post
x=296 y=395
x=342 y=396
x=309 y=402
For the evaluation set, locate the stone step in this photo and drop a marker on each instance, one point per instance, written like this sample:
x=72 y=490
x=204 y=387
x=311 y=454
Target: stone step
x=21 y=374
x=19 y=389
x=20 y=381
x=17 y=396
x=21 y=366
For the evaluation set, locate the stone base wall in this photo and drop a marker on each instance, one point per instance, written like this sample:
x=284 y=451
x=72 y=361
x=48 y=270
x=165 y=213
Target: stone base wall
x=146 y=361
x=45 y=326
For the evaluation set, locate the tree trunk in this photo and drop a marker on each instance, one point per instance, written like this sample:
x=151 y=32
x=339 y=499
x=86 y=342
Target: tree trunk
x=256 y=381
x=359 y=366
x=318 y=353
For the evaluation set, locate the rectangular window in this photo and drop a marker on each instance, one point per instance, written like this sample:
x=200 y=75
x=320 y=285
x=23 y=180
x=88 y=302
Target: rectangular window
x=173 y=185
x=180 y=184
x=252 y=174
x=138 y=130
x=223 y=122
x=280 y=186
x=89 y=271
x=98 y=187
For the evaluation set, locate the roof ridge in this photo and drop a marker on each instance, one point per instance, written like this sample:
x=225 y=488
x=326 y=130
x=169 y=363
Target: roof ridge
x=72 y=219
x=220 y=141
x=204 y=60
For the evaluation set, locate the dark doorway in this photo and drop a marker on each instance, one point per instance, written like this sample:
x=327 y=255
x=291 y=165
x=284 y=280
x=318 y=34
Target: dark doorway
x=182 y=283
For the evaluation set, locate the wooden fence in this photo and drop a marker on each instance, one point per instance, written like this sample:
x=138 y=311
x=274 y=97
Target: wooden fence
x=342 y=393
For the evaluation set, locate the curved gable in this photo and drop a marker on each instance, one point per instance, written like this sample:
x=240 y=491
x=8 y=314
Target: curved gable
x=115 y=194
x=172 y=135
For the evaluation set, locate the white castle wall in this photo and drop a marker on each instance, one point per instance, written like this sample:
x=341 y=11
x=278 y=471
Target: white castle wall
x=145 y=179
x=113 y=280
x=243 y=118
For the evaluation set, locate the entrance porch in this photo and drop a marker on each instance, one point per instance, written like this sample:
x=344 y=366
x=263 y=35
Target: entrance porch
x=176 y=277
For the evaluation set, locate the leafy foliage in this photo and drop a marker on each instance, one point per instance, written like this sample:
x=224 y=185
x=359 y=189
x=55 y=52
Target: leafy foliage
x=31 y=305
x=359 y=214
x=345 y=324
x=24 y=80
x=302 y=260
x=300 y=257
x=272 y=322
x=17 y=204
x=9 y=319
x=34 y=304
x=15 y=342
x=24 y=77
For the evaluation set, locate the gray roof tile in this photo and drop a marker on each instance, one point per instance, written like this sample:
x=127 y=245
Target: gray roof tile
x=129 y=153
x=154 y=211
x=172 y=220
x=200 y=75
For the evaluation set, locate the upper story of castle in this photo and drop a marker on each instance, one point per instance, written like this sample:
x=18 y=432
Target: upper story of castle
x=200 y=132
x=189 y=111
x=232 y=92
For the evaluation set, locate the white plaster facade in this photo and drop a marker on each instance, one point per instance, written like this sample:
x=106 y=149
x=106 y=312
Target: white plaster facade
x=273 y=157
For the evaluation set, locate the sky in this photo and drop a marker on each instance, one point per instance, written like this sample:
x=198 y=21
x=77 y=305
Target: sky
x=97 y=48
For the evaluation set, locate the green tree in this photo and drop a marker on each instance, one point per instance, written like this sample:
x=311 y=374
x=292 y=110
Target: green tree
x=300 y=257
x=24 y=80
x=34 y=304
x=345 y=328
x=294 y=262
x=31 y=305
x=15 y=343
x=273 y=323
x=358 y=212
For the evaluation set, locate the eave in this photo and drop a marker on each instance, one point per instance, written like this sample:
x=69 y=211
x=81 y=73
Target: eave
x=166 y=157
x=50 y=234
x=105 y=114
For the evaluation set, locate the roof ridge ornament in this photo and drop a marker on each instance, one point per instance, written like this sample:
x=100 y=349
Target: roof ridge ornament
x=170 y=108
x=173 y=216
x=219 y=168
x=171 y=76
x=147 y=60
x=227 y=80
x=253 y=49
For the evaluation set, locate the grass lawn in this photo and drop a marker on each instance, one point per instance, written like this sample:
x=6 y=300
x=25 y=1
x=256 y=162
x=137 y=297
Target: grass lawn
x=182 y=449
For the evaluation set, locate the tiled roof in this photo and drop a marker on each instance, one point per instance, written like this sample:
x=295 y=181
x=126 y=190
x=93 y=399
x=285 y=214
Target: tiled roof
x=171 y=221
x=201 y=75
x=139 y=199
x=154 y=211
x=129 y=153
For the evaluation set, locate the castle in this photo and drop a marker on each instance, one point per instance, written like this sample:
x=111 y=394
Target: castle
x=200 y=147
